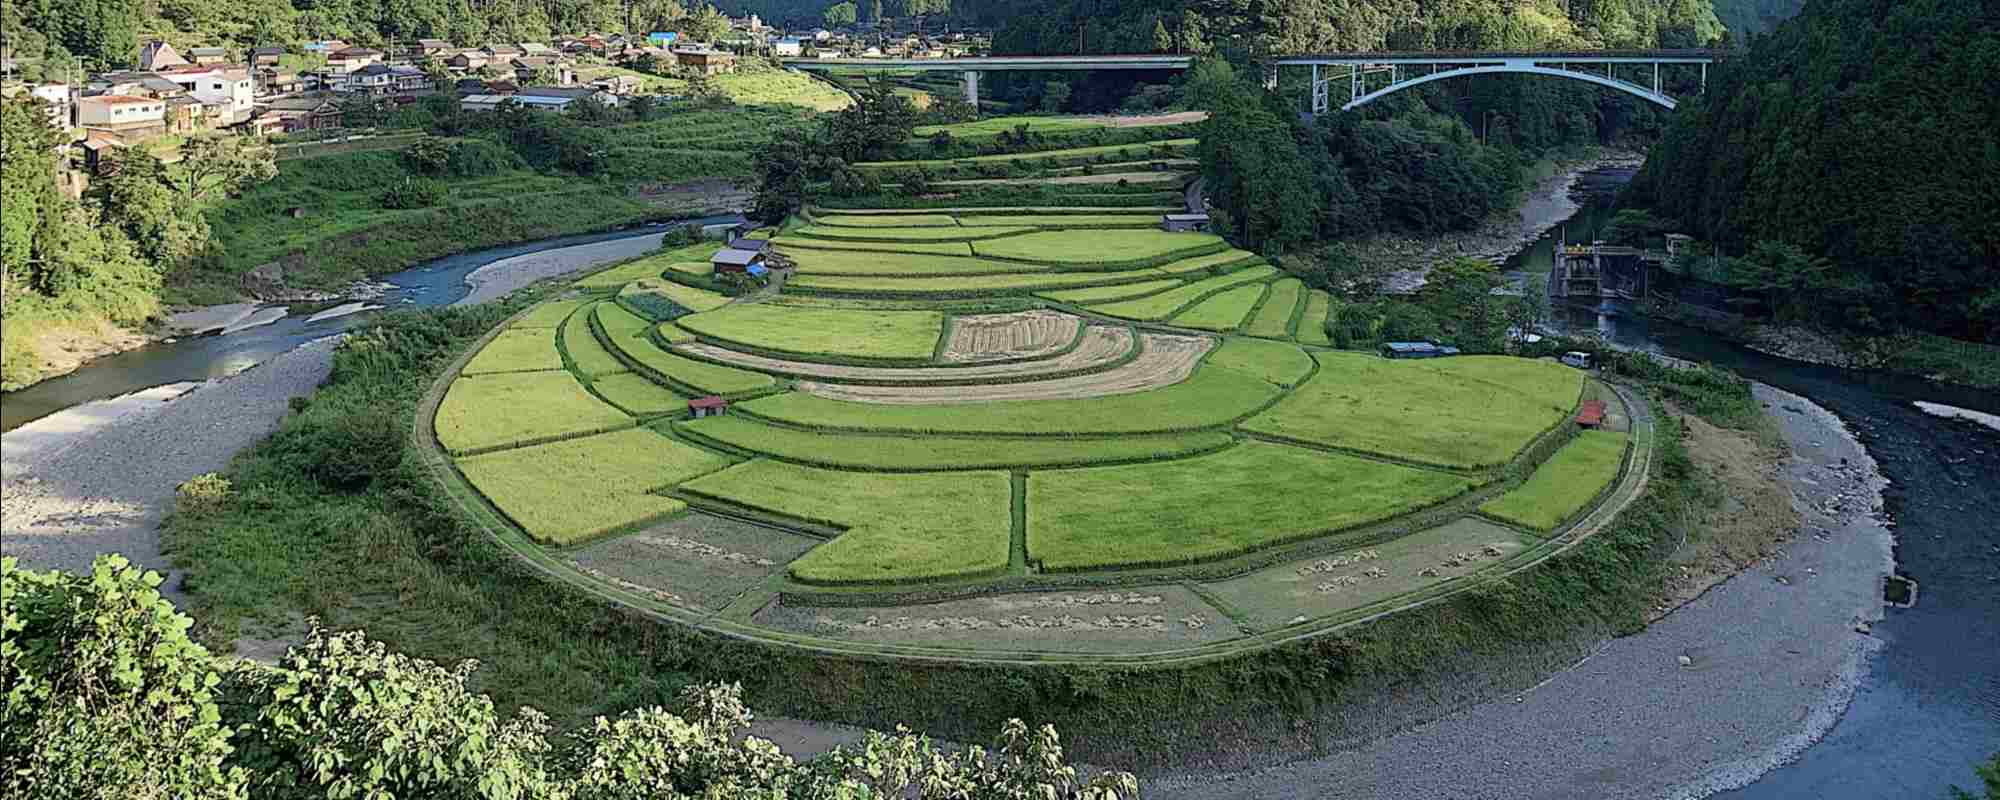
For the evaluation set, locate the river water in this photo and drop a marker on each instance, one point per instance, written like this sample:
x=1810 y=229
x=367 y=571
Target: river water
x=1929 y=707
x=198 y=358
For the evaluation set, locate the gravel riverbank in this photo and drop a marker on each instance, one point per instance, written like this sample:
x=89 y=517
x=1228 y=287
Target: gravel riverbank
x=495 y=280
x=1772 y=659
x=98 y=478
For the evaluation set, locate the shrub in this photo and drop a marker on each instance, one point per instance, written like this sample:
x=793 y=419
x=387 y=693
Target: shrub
x=414 y=193
x=202 y=492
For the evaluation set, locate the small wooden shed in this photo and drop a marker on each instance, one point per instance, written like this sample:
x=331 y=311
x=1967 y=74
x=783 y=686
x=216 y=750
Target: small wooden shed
x=710 y=406
x=1184 y=223
x=1591 y=415
x=730 y=259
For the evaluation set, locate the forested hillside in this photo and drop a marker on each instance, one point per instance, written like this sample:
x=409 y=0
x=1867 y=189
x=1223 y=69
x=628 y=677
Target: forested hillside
x=1748 y=17
x=1854 y=154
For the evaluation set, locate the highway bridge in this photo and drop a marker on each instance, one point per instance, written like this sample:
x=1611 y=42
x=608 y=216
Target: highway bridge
x=1370 y=76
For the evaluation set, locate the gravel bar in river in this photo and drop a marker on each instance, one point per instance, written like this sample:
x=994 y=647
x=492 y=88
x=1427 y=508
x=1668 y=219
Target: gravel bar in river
x=1773 y=656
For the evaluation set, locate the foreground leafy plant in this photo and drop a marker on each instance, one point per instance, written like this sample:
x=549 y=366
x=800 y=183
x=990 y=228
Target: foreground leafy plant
x=108 y=697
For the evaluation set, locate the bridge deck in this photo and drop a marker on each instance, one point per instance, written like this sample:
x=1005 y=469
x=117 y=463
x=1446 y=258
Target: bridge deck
x=1689 y=56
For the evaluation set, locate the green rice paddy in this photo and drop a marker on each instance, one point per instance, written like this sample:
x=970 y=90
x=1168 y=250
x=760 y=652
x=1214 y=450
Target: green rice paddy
x=1222 y=312
x=1165 y=304
x=1274 y=319
x=488 y=411
x=913 y=453
x=1098 y=246
x=889 y=335
x=898 y=527
x=579 y=489
x=1565 y=484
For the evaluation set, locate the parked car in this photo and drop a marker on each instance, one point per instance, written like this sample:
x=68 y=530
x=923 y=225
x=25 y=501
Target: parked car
x=1577 y=359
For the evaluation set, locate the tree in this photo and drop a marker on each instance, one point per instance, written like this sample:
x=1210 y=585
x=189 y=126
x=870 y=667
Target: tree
x=149 y=202
x=705 y=25
x=878 y=121
x=105 y=690
x=1055 y=96
x=840 y=14
x=1163 y=42
x=781 y=187
x=1529 y=310
x=212 y=167
x=1459 y=294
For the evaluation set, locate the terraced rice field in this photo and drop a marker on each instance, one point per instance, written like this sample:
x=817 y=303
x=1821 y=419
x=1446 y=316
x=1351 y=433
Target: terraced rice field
x=1100 y=346
x=1439 y=412
x=962 y=530
x=885 y=335
x=1222 y=312
x=1564 y=485
x=907 y=265
x=1166 y=304
x=1163 y=361
x=1274 y=319
x=921 y=453
x=940 y=434
x=1099 y=247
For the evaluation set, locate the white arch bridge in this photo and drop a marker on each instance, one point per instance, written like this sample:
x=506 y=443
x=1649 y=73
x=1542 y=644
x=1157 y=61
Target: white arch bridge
x=1364 y=72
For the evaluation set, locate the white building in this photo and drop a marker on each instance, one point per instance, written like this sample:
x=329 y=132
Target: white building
x=62 y=112
x=228 y=95
x=788 y=47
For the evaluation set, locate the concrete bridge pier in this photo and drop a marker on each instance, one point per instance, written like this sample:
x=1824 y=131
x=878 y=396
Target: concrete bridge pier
x=972 y=88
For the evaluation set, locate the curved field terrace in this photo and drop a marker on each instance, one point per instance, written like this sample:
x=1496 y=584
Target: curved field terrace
x=1109 y=445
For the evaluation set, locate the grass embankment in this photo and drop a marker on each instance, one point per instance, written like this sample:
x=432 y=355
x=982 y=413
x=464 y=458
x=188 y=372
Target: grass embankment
x=907 y=234
x=576 y=490
x=1232 y=502
x=337 y=492
x=752 y=84
x=586 y=355
x=886 y=220
x=820 y=333
x=1564 y=484
x=963 y=286
x=899 y=527
x=649 y=267
x=1109 y=294
x=1468 y=412
x=1165 y=148
x=913 y=453
x=795 y=243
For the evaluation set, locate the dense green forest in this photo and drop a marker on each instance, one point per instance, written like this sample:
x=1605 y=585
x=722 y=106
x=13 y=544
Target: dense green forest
x=1851 y=156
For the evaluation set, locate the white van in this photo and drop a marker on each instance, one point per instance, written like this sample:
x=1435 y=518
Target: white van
x=1577 y=359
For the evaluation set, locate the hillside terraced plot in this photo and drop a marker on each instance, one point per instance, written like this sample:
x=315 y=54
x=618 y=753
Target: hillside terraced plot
x=1092 y=438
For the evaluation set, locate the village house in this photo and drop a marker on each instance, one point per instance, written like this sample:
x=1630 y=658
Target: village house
x=427 y=48
x=266 y=56
x=788 y=47
x=228 y=94
x=304 y=113
x=1184 y=223
x=501 y=53
x=537 y=49
x=608 y=99
x=185 y=114
x=410 y=80
x=620 y=85
x=56 y=102
x=593 y=45
x=157 y=54
x=324 y=47
x=468 y=60
x=374 y=80
x=125 y=119
x=491 y=102
x=706 y=62
x=348 y=60
x=527 y=68
x=208 y=56
x=272 y=82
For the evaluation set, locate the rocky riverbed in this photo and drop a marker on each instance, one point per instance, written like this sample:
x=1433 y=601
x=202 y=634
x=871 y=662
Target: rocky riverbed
x=1708 y=698
x=1545 y=205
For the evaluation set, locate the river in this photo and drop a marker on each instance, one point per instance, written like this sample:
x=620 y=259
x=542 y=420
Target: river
x=1929 y=707
x=197 y=358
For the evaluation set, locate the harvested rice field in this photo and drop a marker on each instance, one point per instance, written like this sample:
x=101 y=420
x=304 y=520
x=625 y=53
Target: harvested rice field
x=993 y=337
x=1163 y=361
x=1100 y=346
x=1008 y=433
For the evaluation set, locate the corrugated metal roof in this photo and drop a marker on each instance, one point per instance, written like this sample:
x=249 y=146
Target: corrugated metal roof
x=736 y=257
